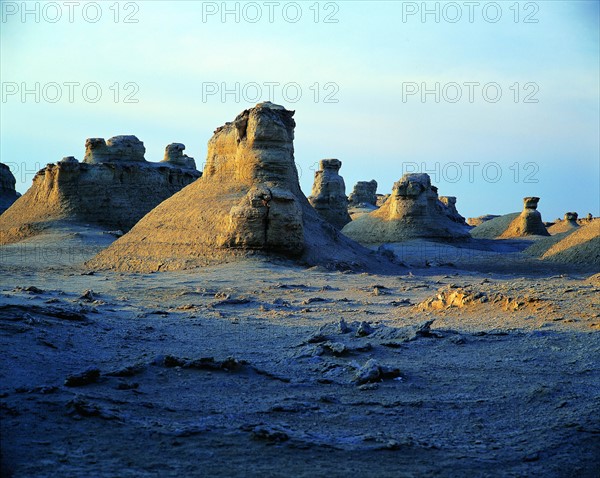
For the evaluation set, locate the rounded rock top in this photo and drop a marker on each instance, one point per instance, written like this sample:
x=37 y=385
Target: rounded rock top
x=268 y=104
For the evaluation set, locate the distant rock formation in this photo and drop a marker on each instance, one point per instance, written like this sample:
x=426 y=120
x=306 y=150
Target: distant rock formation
x=328 y=195
x=569 y=222
x=364 y=192
x=248 y=202
x=528 y=223
x=174 y=155
x=412 y=211
x=447 y=205
x=572 y=218
x=118 y=148
x=8 y=193
x=478 y=221
x=114 y=187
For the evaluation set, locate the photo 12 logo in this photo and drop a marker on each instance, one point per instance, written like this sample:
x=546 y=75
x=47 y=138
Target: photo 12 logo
x=270 y=12
x=471 y=12
x=70 y=12
x=68 y=92
x=469 y=91
x=274 y=91
x=472 y=171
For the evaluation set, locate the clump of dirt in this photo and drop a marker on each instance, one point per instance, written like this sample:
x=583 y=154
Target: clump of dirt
x=467 y=297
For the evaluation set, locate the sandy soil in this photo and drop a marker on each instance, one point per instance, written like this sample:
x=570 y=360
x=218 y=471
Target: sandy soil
x=473 y=359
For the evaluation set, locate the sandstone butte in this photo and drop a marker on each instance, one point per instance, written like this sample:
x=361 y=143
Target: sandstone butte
x=113 y=187
x=247 y=203
x=328 y=195
x=412 y=211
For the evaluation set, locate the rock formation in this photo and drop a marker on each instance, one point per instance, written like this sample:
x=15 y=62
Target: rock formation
x=8 y=193
x=328 y=195
x=528 y=223
x=364 y=192
x=447 y=205
x=412 y=211
x=569 y=222
x=248 y=202
x=174 y=155
x=119 y=148
x=478 y=221
x=114 y=187
x=381 y=199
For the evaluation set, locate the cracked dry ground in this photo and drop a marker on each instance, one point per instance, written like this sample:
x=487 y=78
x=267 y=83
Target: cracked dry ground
x=265 y=369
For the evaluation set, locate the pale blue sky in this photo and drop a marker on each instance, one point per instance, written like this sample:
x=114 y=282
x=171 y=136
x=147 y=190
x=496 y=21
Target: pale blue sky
x=368 y=54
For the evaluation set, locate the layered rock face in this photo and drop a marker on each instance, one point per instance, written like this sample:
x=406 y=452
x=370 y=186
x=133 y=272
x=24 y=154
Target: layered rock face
x=328 y=195
x=118 y=148
x=8 y=193
x=528 y=223
x=248 y=202
x=114 y=187
x=447 y=205
x=364 y=192
x=174 y=155
x=411 y=211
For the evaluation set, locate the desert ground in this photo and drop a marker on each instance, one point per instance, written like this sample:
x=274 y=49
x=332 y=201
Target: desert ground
x=467 y=359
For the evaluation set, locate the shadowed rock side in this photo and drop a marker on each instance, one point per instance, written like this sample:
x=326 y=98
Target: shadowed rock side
x=114 y=187
x=247 y=202
x=528 y=223
x=364 y=192
x=447 y=205
x=328 y=195
x=8 y=193
x=411 y=212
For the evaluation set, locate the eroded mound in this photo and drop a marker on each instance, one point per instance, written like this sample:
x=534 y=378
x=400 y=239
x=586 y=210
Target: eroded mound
x=567 y=224
x=247 y=202
x=114 y=187
x=528 y=223
x=493 y=228
x=581 y=246
x=412 y=211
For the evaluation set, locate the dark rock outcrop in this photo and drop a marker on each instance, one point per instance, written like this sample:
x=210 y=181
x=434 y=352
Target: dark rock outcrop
x=328 y=195
x=364 y=192
x=8 y=193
